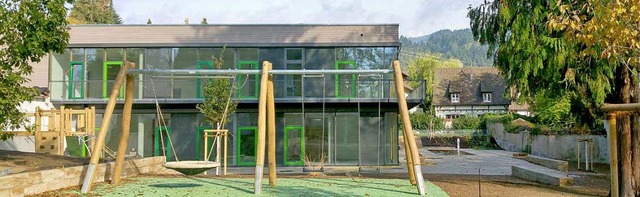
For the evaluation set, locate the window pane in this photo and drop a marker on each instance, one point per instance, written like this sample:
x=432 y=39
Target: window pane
x=159 y=58
x=185 y=58
x=94 y=73
x=136 y=55
x=248 y=54
x=227 y=57
x=294 y=54
x=77 y=55
x=59 y=66
x=346 y=138
x=115 y=54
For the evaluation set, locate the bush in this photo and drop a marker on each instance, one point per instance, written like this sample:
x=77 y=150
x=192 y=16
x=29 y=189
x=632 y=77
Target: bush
x=479 y=141
x=467 y=122
x=423 y=121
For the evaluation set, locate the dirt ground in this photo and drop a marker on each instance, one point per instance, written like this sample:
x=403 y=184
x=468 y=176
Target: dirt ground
x=12 y=162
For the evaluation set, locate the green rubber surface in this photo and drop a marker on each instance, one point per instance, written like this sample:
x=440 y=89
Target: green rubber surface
x=199 y=186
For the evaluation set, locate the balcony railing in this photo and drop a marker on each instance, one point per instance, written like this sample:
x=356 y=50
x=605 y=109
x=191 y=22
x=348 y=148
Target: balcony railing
x=287 y=88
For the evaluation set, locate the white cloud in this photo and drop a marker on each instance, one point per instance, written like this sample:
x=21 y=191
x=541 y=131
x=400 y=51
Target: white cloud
x=416 y=17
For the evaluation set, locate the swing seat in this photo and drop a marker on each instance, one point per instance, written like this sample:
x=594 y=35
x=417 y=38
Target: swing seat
x=191 y=167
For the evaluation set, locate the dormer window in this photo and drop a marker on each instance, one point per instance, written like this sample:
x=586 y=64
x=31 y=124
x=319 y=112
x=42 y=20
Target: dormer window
x=486 y=97
x=455 y=97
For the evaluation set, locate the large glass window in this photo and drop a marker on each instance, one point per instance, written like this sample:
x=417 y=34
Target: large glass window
x=136 y=55
x=346 y=139
x=157 y=85
x=94 y=72
x=58 y=75
x=247 y=135
x=316 y=137
x=186 y=58
x=294 y=61
x=248 y=60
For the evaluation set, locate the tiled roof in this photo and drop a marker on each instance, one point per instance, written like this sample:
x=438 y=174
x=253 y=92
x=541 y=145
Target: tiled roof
x=470 y=83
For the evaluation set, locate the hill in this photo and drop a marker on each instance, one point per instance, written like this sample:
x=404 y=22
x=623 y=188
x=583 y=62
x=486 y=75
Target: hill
x=457 y=44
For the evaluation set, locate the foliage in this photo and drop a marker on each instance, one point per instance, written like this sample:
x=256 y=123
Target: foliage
x=481 y=141
x=30 y=29
x=204 y=21
x=93 y=12
x=217 y=95
x=148 y=21
x=553 y=110
x=458 y=44
x=467 y=122
x=423 y=68
x=424 y=121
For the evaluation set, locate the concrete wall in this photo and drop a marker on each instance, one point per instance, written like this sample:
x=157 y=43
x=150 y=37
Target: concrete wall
x=29 y=183
x=562 y=147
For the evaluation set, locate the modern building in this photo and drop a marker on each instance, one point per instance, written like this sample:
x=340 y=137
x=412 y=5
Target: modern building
x=346 y=119
x=468 y=91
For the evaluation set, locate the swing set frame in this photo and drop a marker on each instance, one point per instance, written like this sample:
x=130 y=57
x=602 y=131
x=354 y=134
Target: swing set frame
x=266 y=112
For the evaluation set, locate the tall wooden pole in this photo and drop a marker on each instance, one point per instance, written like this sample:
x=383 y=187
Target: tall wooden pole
x=262 y=127
x=408 y=156
x=271 y=128
x=406 y=125
x=126 y=127
x=613 y=154
x=104 y=127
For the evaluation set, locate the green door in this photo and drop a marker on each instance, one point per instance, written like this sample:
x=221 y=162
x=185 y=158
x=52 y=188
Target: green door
x=199 y=143
x=345 y=83
x=203 y=64
x=246 y=146
x=158 y=144
x=110 y=72
x=293 y=145
x=248 y=83
x=76 y=80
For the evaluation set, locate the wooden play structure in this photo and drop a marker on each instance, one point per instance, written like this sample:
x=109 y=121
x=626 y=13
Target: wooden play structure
x=51 y=127
x=615 y=110
x=266 y=122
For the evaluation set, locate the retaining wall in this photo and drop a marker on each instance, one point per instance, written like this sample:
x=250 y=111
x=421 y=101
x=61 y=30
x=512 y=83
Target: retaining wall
x=28 y=183
x=562 y=147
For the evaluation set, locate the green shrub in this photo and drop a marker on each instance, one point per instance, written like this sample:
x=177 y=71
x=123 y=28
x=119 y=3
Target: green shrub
x=467 y=122
x=481 y=141
x=423 y=121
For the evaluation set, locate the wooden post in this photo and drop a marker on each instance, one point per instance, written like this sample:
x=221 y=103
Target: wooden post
x=226 y=132
x=409 y=157
x=104 y=127
x=262 y=124
x=613 y=154
x=271 y=127
x=63 y=129
x=406 y=125
x=126 y=127
x=92 y=129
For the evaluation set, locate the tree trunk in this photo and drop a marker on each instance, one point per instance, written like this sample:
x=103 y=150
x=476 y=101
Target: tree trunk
x=628 y=170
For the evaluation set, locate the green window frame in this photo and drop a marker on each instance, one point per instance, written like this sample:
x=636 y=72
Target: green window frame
x=157 y=148
x=286 y=146
x=71 y=77
x=105 y=80
x=199 y=65
x=353 y=79
x=239 y=142
x=199 y=140
x=254 y=66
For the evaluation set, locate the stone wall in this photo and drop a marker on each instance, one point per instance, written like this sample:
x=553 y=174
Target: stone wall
x=29 y=183
x=562 y=147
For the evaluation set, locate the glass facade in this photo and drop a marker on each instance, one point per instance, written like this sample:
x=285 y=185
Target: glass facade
x=338 y=136
x=89 y=73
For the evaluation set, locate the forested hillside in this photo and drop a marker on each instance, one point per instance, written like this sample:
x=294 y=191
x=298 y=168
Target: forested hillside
x=457 y=44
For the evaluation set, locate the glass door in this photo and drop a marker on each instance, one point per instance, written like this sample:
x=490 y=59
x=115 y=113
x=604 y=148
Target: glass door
x=345 y=83
x=110 y=73
x=249 y=84
x=76 y=80
x=166 y=131
x=205 y=64
x=293 y=145
x=246 y=149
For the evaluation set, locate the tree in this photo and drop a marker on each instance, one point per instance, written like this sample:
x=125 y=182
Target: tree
x=586 y=47
x=30 y=29
x=148 y=21
x=204 y=21
x=423 y=68
x=217 y=95
x=93 y=12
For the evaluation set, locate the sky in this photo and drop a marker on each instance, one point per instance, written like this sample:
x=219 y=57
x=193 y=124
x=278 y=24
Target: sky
x=416 y=17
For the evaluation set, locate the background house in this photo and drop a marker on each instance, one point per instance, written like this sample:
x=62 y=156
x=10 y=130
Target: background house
x=468 y=91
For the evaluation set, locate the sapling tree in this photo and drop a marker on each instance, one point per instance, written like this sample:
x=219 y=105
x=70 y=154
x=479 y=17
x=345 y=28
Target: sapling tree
x=217 y=93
